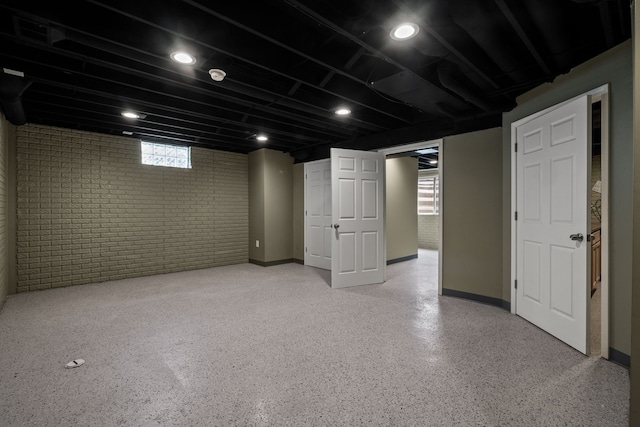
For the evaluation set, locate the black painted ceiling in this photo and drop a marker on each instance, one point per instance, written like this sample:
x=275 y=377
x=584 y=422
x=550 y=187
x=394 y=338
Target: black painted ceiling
x=289 y=64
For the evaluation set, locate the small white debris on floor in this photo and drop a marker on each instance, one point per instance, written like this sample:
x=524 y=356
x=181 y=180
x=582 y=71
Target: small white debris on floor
x=74 y=363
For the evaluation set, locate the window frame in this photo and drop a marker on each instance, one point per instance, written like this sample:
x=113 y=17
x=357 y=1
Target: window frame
x=157 y=147
x=433 y=207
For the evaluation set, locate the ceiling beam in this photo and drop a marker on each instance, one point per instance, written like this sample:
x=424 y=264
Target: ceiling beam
x=367 y=105
x=506 y=11
x=605 y=16
x=354 y=39
x=451 y=48
x=122 y=100
x=253 y=63
x=291 y=119
x=262 y=94
x=180 y=122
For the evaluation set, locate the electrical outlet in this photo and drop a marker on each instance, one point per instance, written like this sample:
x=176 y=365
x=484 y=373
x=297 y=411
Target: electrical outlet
x=257 y=243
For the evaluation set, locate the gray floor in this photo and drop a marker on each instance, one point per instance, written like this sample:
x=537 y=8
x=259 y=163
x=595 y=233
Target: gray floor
x=253 y=346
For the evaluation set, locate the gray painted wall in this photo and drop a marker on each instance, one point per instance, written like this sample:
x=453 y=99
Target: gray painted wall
x=270 y=206
x=278 y=206
x=471 y=194
x=634 y=415
x=612 y=67
x=402 y=202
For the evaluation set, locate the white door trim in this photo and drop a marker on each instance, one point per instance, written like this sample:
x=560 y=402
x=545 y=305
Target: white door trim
x=417 y=146
x=601 y=93
x=604 y=232
x=410 y=147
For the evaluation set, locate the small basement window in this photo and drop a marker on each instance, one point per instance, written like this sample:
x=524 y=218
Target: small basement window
x=428 y=196
x=173 y=156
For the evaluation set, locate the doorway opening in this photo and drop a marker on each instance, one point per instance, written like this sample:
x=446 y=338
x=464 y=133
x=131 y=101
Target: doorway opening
x=430 y=164
x=595 y=279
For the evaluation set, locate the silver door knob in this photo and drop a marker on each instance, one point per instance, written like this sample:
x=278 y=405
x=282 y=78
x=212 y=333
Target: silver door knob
x=577 y=237
x=336 y=226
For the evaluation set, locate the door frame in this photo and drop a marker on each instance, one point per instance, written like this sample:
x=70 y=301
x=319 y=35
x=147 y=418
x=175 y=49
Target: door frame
x=598 y=94
x=417 y=146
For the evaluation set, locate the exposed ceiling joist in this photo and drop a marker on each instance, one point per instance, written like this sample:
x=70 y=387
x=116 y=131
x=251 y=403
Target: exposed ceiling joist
x=80 y=63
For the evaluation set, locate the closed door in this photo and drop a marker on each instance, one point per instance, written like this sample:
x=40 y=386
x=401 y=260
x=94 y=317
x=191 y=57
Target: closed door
x=553 y=221
x=358 y=239
x=318 y=214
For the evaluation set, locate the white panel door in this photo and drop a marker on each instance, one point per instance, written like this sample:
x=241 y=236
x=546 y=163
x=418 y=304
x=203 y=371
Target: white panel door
x=318 y=230
x=358 y=248
x=553 y=221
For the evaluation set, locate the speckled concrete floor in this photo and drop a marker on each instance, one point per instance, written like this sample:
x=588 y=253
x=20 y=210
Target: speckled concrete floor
x=251 y=346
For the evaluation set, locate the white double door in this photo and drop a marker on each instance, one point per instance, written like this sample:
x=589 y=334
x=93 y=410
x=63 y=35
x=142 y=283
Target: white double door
x=345 y=219
x=553 y=224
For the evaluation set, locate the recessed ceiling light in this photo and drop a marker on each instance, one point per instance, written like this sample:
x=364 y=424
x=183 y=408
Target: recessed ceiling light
x=183 y=57
x=262 y=138
x=433 y=162
x=427 y=151
x=404 y=31
x=127 y=132
x=343 y=111
x=130 y=115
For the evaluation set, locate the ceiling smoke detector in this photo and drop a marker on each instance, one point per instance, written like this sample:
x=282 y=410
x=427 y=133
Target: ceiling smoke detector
x=217 y=74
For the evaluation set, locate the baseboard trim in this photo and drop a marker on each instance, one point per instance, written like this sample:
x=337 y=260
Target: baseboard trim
x=298 y=261
x=404 y=258
x=497 y=302
x=271 y=263
x=619 y=357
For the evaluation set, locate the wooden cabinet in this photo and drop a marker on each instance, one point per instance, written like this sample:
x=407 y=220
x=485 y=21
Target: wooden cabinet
x=595 y=259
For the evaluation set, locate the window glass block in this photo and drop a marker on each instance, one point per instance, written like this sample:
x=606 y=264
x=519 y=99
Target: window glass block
x=147 y=148
x=165 y=155
x=182 y=152
x=428 y=196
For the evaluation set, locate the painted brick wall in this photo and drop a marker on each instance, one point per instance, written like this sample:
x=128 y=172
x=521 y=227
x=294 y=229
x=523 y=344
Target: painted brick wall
x=428 y=231
x=89 y=211
x=4 y=285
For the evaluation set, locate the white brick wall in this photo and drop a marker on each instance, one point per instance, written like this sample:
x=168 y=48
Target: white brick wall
x=428 y=227
x=89 y=211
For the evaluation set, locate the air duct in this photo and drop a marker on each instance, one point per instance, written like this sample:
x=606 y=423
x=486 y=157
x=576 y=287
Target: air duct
x=12 y=86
